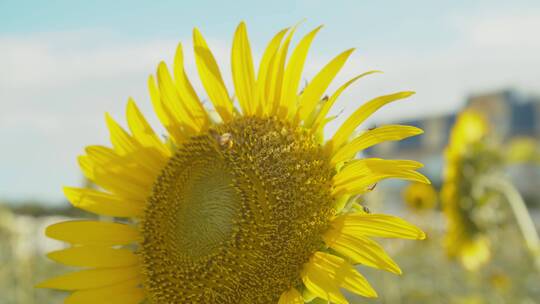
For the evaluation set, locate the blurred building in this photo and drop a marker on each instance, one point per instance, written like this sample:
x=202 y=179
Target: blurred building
x=510 y=113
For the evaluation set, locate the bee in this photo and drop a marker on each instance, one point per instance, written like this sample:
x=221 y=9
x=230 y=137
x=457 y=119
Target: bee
x=224 y=140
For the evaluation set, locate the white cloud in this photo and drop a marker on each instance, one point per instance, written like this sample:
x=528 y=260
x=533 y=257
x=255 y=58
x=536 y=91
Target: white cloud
x=516 y=30
x=490 y=52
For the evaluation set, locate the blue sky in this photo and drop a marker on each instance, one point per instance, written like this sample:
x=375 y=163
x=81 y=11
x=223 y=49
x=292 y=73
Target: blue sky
x=65 y=63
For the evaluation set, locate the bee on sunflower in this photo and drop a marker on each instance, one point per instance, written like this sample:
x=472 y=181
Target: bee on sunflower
x=252 y=207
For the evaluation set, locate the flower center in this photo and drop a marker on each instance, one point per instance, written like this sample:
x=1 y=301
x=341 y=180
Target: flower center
x=206 y=205
x=235 y=214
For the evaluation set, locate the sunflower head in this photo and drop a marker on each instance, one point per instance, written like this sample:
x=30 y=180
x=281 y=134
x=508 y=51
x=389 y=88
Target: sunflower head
x=248 y=207
x=469 y=157
x=420 y=196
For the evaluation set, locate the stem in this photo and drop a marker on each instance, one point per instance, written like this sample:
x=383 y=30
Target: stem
x=523 y=218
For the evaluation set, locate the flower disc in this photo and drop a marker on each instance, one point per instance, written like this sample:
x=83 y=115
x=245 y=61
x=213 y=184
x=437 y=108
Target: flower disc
x=235 y=214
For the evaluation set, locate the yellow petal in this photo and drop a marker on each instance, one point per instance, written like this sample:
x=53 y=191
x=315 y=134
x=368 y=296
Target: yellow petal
x=123 y=185
x=87 y=167
x=366 y=166
x=319 y=130
x=373 y=137
x=187 y=93
x=377 y=225
x=337 y=272
x=164 y=114
x=358 y=185
x=316 y=122
x=308 y=296
x=141 y=130
x=358 y=174
x=316 y=88
x=139 y=164
x=120 y=139
x=127 y=146
x=127 y=184
x=103 y=203
x=211 y=77
x=361 y=250
x=92 y=278
x=171 y=100
x=293 y=72
x=94 y=257
x=105 y=156
x=93 y=233
x=276 y=70
x=264 y=75
x=319 y=282
x=341 y=272
x=292 y=296
x=360 y=115
x=242 y=70
x=131 y=175
x=143 y=164
x=124 y=293
x=357 y=177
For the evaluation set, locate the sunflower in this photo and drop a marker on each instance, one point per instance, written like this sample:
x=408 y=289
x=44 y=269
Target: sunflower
x=253 y=206
x=468 y=158
x=420 y=196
